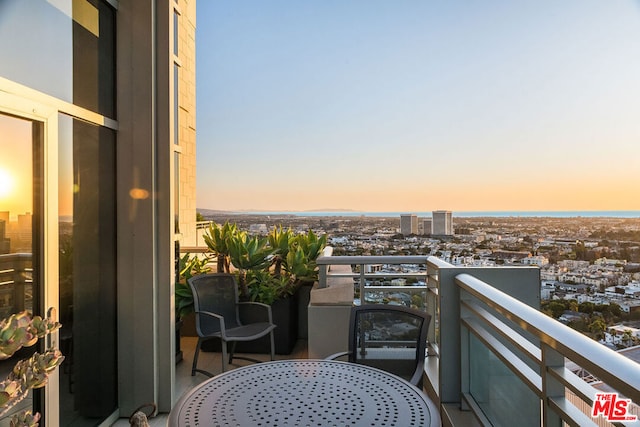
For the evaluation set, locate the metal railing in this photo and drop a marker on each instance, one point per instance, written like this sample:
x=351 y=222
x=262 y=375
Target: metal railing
x=371 y=286
x=534 y=346
x=491 y=348
x=16 y=280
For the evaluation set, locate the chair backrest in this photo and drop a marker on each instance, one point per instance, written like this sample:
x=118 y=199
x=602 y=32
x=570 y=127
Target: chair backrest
x=389 y=337
x=216 y=293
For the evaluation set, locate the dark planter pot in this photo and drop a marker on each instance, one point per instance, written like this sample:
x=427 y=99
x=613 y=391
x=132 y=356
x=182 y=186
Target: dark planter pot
x=303 y=295
x=188 y=328
x=285 y=316
x=178 y=348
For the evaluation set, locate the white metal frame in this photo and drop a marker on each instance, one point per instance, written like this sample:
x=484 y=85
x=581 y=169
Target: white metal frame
x=48 y=116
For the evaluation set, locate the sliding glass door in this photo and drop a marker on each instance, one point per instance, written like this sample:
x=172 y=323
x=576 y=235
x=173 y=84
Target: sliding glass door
x=87 y=272
x=22 y=251
x=58 y=250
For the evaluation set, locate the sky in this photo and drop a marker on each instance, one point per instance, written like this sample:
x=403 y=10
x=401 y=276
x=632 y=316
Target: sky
x=380 y=105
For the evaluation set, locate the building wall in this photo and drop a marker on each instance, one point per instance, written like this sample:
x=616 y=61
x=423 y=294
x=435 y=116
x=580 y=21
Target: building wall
x=187 y=120
x=122 y=98
x=58 y=72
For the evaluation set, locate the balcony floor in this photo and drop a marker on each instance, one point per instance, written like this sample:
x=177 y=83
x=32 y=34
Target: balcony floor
x=211 y=362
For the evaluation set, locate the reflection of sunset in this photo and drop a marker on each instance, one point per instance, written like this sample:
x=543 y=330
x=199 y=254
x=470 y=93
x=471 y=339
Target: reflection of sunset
x=6 y=183
x=16 y=165
x=139 y=193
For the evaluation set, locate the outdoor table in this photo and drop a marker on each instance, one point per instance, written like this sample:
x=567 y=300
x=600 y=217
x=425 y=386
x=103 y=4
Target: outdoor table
x=305 y=393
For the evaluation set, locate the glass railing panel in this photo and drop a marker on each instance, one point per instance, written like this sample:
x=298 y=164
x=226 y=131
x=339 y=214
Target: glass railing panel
x=503 y=398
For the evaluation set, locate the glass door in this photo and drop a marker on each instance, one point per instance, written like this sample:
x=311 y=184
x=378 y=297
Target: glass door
x=87 y=272
x=23 y=254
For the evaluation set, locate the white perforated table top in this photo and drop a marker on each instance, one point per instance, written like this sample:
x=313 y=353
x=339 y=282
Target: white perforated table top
x=304 y=393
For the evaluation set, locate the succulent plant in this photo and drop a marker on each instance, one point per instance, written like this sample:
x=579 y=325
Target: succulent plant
x=25 y=419
x=17 y=331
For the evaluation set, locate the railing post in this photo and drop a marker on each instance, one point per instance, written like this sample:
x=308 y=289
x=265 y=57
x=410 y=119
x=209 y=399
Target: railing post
x=550 y=386
x=19 y=282
x=432 y=306
x=322 y=276
x=465 y=370
x=362 y=285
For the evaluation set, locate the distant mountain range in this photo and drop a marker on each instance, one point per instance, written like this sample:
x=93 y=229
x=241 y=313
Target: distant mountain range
x=468 y=214
x=204 y=211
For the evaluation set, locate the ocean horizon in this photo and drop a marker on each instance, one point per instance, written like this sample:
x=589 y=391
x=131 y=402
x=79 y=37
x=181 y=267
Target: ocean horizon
x=459 y=214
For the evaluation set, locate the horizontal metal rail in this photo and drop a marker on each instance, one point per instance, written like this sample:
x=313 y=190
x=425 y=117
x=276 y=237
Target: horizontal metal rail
x=363 y=260
x=16 y=282
x=614 y=369
x=362 y=276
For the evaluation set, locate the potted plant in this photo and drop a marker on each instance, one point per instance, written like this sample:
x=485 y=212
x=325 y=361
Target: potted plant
x=301 y=264
x=271 y=270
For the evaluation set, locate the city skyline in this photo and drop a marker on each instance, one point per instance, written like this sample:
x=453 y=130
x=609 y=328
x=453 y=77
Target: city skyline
x=373 y=106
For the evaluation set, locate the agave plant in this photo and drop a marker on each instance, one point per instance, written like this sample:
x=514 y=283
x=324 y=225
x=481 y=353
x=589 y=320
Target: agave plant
x=17 y=331
x=268 y=268
x=301 y=258
x=249 y=253
x=279 y=240
x=217 y=239
x=266 y=288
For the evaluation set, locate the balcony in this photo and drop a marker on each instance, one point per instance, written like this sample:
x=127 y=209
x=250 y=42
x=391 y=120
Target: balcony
x=493 y=358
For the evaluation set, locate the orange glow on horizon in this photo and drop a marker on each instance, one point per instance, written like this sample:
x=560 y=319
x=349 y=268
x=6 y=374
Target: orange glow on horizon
x=469 y=197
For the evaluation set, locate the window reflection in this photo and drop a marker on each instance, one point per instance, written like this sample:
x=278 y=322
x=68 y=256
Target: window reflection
x=18 y=247
x=56 y=41
x=88 y=387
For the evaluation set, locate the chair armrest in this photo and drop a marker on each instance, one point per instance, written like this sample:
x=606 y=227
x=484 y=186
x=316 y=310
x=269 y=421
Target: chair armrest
x=214 y=316
x=337 y=355
x=266 y=315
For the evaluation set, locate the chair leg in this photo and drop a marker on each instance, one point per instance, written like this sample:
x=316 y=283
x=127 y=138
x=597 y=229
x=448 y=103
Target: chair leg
x=233 y=350
x=195 y=358
x=273 y=352
x=224 y=355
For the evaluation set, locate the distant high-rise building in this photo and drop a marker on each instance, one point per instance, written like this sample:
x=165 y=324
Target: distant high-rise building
x=24 y=230
x=5 y=244
x=408 y=224
x=442 y=223
x=426 y=226
x=4 y=216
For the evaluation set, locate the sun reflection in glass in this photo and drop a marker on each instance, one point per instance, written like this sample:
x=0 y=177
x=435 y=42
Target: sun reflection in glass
x=6 y=183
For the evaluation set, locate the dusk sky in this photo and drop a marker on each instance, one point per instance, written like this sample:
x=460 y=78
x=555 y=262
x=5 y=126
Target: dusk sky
x=379 y=105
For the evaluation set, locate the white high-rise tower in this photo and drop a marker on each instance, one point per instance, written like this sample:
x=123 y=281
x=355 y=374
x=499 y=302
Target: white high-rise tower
x=442 y=223
x=408 y=224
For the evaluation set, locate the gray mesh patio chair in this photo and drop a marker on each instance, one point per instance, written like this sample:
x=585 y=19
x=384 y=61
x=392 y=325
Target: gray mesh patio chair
x=217 y=309
x=389 y=337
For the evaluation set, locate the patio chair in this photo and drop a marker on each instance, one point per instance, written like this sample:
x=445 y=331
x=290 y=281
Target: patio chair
x=217 y=309
x=389 y=337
